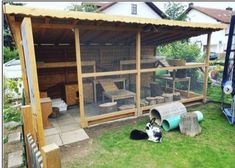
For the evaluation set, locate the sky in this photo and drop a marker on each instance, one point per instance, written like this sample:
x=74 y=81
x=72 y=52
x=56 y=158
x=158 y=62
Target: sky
x=63 y=5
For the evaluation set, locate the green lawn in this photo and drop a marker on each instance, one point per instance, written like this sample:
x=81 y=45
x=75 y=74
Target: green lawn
x=214 y=147
x=214 y=93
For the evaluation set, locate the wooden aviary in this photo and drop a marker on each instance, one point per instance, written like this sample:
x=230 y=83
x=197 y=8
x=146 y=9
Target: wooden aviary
x=51 y=54
x=189 y=124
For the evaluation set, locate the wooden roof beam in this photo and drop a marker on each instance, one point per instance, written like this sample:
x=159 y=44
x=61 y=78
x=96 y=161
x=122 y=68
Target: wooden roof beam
x=157 y=36
x=108 y=28
x=176 y=38
x=66 y=32
x=47 y=20
x=93 y=37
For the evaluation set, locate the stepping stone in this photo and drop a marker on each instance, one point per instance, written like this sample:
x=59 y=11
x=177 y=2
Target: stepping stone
x=11 y=124
x=54 y=139
x=14 y=137
x=74 y=136
x=51 y=131
x=15 y=159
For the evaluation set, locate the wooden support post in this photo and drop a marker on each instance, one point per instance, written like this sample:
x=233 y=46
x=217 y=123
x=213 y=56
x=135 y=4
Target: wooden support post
x=15 y=28
x=30 y=62
x=28 y=127
x=27 y=120
x=51 y=156
x=79 y=76
x=206 y=67
x=138 y=77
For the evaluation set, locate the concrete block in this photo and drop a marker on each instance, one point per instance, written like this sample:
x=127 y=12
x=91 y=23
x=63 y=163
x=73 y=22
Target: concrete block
x=15 y=159
x=14 y=137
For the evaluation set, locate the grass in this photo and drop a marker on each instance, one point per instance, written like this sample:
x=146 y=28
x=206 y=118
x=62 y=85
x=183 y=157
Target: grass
x=215 y=92
x=214 y=147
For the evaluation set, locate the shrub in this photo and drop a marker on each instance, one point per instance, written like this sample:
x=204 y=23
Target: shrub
x=9 y=54
x=181 y=50
x=185 y=51
x=11 y=114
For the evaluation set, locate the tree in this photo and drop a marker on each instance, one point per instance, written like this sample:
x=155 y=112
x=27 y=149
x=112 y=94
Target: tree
x=181 y=49
x=84 y=7
x=9 y=50
x=9 y=54
x=175 y=11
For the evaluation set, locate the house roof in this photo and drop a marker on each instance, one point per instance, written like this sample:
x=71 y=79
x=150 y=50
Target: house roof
x=150 y=4
x=53 y=26
x=220 y=15
x=12 y=62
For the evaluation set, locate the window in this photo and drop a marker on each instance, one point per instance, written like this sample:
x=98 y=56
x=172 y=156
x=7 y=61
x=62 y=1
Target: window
x=134 y=9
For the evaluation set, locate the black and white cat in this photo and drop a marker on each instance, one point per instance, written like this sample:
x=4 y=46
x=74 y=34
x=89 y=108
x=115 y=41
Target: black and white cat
x=152 y=133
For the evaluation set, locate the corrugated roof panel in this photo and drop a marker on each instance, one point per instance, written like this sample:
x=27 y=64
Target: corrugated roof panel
x=17 y=10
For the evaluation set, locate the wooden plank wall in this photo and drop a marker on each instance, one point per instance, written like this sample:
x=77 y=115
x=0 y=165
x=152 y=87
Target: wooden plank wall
x=105 y=56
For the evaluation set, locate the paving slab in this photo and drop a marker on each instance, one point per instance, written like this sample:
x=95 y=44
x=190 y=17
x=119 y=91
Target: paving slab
x=69 y=127
x=51 y=131
x=66 y=122
x=64 y=117
x=15 y=159
x=54 y=139
x=74 y=136
x=14 y=137
x=77 y=120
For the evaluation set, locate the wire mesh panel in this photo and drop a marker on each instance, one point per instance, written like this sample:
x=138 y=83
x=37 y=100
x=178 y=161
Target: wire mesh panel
x=103 y=95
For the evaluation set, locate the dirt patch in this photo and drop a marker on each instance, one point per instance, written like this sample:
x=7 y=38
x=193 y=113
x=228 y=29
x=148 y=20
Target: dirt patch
x=70 y=153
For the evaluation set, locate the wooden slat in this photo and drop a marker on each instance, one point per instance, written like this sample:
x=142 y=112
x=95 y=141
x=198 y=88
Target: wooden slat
x=64 y=64
x=52 y=26
x=28 y=127
x=15 y=28
x=110 y=116
x=30 y=60
x=207 y=57
x=109 y=28
x=187 y=66
x=110 y=73
x=79 y=77
x=43 y=31
x=138 y=75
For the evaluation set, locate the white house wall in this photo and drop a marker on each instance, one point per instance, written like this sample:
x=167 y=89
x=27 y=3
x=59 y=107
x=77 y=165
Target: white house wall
x=124 y=8
x=218 y=39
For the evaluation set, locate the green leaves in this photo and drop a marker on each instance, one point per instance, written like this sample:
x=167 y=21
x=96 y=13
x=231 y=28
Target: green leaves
x=10 y=54
x=11 y=114
x=84 y=7
x=175 y=11
x=181 y=50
